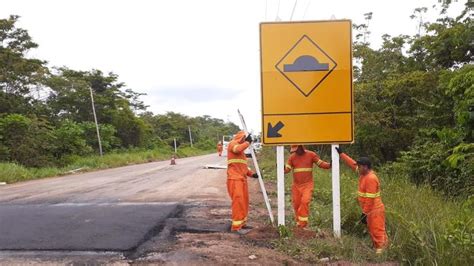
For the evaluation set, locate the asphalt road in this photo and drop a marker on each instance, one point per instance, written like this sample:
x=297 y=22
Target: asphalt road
x=108 y=210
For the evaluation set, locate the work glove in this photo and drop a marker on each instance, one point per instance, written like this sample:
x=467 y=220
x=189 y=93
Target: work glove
x=363 y=218
x=249 y=138
x=255 y=175
x=339 y=150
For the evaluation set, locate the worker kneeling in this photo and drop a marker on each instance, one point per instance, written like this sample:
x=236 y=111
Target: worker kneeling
x=237 y=187
x=301 y=162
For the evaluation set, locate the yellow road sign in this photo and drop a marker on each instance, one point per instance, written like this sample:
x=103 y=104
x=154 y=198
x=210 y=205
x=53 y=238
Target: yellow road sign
x=306 y=75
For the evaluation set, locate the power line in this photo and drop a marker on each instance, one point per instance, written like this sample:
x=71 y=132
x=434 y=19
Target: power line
x=292 y=12
x=307 y=6
x=278 y=11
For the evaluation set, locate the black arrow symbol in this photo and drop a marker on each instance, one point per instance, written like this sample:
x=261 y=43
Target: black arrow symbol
x=272 y=132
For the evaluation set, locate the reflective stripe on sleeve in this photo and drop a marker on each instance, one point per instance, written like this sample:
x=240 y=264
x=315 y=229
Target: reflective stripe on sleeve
x=319 y=162
x=236 y=161
x=368 y=195
x=298 y=170
x=288 y=166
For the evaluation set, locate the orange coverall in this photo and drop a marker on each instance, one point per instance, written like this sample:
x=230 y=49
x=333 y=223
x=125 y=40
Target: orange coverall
x=237 y=187
x=371 y=203
x=219 y=148
x=302 y=188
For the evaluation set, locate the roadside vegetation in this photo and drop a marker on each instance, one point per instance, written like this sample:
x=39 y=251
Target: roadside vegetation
x=13 y=172
x=414 y=117
x=47 y=124
x=424 y=227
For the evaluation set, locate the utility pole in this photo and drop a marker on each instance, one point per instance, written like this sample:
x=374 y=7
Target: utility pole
x=175 y=150
x=190 y=137
x=95 y=119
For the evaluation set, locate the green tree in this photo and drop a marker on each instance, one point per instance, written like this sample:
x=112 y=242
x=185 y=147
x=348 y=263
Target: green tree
x=70 y=139
x=18 y=75
x=107 y=136
x=115 y=105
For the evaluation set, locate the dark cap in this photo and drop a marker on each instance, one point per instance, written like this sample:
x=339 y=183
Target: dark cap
x=364 y=161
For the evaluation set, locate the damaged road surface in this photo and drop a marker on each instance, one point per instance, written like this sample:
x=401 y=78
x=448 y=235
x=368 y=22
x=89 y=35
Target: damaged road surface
x=79 y=227
x=148 y=213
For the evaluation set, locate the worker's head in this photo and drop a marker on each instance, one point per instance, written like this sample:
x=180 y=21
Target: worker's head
x=364 y=165
x=299 y=149
x=239 y=137
x=293 y=148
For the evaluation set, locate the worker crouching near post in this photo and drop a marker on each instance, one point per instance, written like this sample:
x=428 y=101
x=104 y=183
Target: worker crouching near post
x=237 y=187
x=301 y=162
x=373 y=210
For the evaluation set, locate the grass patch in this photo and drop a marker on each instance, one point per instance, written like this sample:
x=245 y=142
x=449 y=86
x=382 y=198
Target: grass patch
x=423 y=227
x=11 y=172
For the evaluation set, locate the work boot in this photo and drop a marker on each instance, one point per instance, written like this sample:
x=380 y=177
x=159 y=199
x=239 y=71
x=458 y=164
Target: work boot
x=247 y=227
x=241 y=232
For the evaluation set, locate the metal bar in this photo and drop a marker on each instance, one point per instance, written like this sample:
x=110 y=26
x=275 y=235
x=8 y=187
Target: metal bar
x=257 y=169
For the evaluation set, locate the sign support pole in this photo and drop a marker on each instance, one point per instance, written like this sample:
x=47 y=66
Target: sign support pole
x=336 y=204
x=281 y=184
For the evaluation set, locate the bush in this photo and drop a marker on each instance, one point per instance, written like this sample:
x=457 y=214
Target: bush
x=70 y=139
x=29 y=141
x=107 y=136
x=206 y=145
x=440 y=159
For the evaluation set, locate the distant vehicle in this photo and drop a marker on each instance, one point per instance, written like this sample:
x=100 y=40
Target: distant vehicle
x=257 y=146
x=225 y=143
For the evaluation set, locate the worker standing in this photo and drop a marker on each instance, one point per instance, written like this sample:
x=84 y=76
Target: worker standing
x=237 y=187
x=301 y=162
x=219 y=148
x=373 y=210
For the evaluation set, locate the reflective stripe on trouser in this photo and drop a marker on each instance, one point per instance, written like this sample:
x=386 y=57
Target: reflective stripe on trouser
x=376 y=225
x=301 y=197
x=368 y=195
x=238 y=192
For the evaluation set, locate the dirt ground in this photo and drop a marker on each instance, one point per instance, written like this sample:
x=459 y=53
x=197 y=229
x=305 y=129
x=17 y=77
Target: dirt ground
x=254 y=248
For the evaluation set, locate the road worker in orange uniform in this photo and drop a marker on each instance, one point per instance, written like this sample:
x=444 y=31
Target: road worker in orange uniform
x=301 y=162
x=373 y=210
x=237 y=173
x=219 y=148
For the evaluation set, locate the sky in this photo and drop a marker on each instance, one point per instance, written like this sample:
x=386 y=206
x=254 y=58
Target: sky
x=195 y=57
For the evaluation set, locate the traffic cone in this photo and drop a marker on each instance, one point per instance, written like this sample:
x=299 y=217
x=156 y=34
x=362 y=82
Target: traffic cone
x=173 y=161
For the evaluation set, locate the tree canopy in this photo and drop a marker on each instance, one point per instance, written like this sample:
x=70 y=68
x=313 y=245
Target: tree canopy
x=46 y=113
